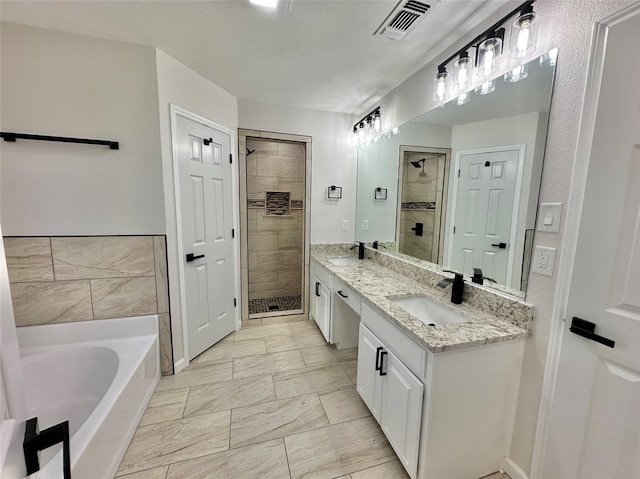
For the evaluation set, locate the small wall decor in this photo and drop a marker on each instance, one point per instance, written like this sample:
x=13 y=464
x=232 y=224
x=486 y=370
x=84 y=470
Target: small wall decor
x=334 y=192
x=380 y=193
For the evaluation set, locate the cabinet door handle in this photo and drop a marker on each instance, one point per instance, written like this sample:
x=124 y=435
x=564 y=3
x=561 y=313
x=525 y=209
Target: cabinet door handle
x=378 y=366
x=317 y=288
x=382 y=355
x=343 y=295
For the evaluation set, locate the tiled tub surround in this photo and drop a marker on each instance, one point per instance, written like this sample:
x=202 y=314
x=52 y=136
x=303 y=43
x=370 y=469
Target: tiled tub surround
x=492 y=317
x=66 y=279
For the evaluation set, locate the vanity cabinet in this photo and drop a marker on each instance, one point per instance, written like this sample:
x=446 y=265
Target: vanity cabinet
x=321 y=286
x=393 y=394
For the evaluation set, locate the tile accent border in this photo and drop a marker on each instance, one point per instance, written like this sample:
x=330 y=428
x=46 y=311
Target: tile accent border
x=81 y=278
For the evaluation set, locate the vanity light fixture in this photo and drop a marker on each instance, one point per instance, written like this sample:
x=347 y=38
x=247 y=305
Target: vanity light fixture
x=369 y=129
x=549 y=59
x=488 y=49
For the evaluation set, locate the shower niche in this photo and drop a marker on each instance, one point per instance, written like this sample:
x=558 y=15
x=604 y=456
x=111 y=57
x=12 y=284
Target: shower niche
x=275 y=226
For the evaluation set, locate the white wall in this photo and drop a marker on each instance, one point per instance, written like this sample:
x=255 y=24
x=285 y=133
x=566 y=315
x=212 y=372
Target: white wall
x=61 y=84
x=512 y=130
x=183 y=87
x=567 y=25
x=333 y=161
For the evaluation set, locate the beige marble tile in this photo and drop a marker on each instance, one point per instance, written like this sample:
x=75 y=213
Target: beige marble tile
x=267 y=364
x=290 y=281
x=327 y=354
x=343 y=405
x=276 y=165
x=122 y=297
x=348 y=476
x=51 y=302
x=274 y=419
x=303 y=339
x=229 y=395
x=28 y=259
x=301 y=326
x=94 y=257
x=253 y=260
x=337 y=450
x=229 y=338
x=155 y=473
x=251 y=166
x=278 y=223
x=260 y=240
x=254 y=332
x=291 y=149
x=295 y=186
x=235 y=349
x=262 y=146
x=267 y=460
x=389 y=470
x=172 y=396
x=160 y=265
x=166 y=351
x=290 y=239
x=257 y=186
x=173 y=441
x=351 y=368
x=158 y=414
x=303 y=381
x=260 y=275
x=197 y=374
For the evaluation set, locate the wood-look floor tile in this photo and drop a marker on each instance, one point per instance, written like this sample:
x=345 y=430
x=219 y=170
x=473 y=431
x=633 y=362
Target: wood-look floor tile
x=327 y=354
x=302 y=326
x=337 y=450
x=267 y=460
x=229 y=394
x=267 y=364
x=274 y=419
x=197 y=374
x=351 y=367
x=343 y=405
x=168 y=412
x=172 y=396
x=254 y=332
x=235 y=349
x=174 y=441
x=155 y=473
x=318 y=379
x=389 y=470
x=304 y=339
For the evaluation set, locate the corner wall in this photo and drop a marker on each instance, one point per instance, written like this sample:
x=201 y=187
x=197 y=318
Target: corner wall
x=569 y=28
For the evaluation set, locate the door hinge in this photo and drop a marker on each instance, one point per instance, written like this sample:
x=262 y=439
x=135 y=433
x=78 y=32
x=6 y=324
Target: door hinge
x=230 y=158
x=235 y=302
x=458 y=173
x=454 y=230
x=233 y=233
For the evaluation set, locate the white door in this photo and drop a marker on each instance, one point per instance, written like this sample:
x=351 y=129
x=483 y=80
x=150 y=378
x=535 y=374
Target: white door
x=369 y=381
x=401 y=410
x=206 y=210
x=483 y=212
x=594 y=426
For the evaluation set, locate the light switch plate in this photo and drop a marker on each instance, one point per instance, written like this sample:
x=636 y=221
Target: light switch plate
x=345 y=225
x=365 y=225
x=544 y=259
x=549 y=215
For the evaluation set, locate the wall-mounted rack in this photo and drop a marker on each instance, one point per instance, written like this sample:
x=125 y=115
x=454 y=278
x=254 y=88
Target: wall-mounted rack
x=380 y=193
x=334 y=192
x=7 y=136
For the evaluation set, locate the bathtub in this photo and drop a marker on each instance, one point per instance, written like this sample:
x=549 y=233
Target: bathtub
x=100 y=376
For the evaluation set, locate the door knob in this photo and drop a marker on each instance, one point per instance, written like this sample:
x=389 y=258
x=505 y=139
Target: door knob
x=191 y=257
x=587 y=329
x=499 y=245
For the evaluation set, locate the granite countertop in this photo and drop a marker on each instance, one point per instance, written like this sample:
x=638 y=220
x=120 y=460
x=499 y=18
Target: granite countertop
x=374 y=283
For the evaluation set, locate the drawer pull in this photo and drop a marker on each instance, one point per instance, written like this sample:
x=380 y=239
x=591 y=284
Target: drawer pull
x=382 y=355
x=343 y=295
x=317 y=288
x=378 y=365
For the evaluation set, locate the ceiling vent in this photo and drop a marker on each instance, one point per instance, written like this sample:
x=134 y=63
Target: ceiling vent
x=404 y=18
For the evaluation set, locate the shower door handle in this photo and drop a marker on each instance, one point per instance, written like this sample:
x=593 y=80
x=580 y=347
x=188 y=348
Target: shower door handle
x=191 y=257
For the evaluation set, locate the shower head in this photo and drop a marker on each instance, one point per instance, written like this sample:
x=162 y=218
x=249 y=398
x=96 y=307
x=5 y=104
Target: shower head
x=419 y=163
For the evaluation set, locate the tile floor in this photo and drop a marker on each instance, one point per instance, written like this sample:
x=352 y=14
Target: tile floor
x=279 y=303
x=266 y=402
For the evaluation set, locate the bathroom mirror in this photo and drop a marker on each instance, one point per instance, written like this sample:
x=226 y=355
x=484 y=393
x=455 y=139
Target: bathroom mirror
x=462 y=181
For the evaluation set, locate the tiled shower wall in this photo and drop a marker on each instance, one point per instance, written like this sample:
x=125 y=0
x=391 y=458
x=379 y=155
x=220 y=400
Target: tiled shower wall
x=275 y=242
x=65 y=279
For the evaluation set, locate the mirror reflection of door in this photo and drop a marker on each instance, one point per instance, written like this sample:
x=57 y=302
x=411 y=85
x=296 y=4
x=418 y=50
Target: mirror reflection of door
x=485 y=211
x=424 y=177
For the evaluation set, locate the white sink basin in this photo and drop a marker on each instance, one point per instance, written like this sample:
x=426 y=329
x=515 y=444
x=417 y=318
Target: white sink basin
x=427 y=311
x=343 y=261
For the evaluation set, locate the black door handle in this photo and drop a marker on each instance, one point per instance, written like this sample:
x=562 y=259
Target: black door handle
x=419 y=227
x=343 y=295
x=499 y=245
x=317 y=288
x=587 y=329
x=378 y=349
x=191 y=258
x=207 y=141
x=382 y=355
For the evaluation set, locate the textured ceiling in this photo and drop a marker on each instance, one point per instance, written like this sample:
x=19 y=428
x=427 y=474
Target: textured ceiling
x=321 y=54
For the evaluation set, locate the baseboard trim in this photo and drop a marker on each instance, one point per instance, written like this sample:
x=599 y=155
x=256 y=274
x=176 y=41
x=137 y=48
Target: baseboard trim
x=179 y=365
x=511 y=468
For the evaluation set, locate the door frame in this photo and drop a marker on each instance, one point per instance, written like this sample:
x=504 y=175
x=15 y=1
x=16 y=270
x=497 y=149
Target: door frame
x=521 y=148
x=176 y=112
x=595 y=71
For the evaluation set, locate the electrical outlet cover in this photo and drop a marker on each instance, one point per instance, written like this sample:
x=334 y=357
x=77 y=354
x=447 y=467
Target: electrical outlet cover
x=544 y=259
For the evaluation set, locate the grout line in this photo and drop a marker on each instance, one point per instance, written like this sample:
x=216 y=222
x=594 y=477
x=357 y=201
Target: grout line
x=286 y=455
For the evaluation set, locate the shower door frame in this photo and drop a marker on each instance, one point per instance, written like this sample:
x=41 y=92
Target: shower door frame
x=303 y=313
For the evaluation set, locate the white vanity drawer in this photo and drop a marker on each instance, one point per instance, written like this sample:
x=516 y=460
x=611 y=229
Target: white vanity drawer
x=412 y=355
x=323 y=275
x=347 y=295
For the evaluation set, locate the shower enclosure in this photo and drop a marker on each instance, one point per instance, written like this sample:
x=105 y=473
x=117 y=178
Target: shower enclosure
x=274 y=229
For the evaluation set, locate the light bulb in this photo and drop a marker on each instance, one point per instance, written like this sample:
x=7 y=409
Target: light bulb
x=523 y=35
x=462 y=99
x=361 y=131
x=461 y=70
x=440 y=87
x=377 y=124
x=485 y=88
x=549 y=59
x=518 y=73
x=395 y=130
x=488 y=56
